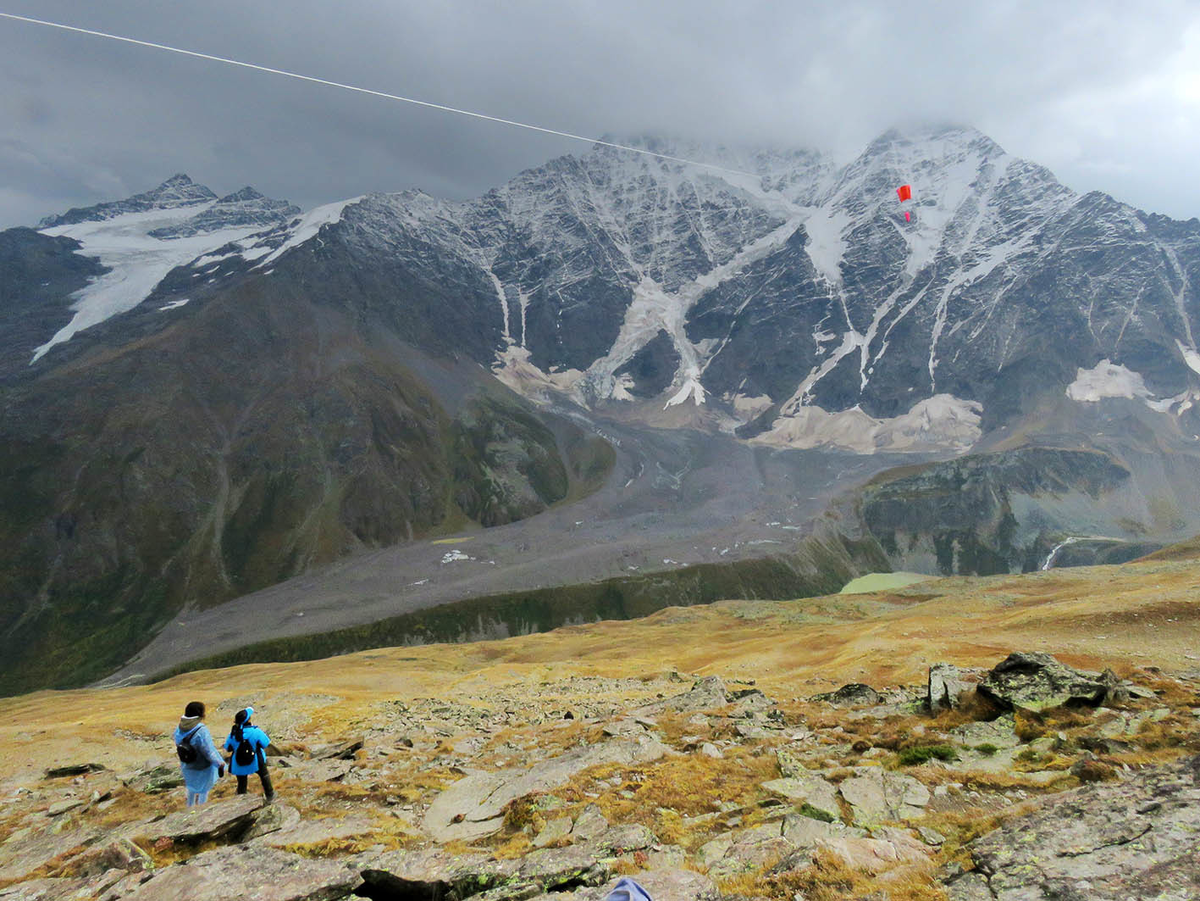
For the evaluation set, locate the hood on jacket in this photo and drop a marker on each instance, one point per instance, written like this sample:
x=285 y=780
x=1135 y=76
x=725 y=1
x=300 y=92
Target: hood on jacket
x=188 y=723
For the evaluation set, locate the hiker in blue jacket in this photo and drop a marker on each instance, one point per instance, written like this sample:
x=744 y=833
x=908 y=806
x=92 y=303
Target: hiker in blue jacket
x=198 y=758
x=248 y=743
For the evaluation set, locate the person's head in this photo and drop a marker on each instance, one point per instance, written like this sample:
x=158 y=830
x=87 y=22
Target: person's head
x=195 y=709
x=242 y=717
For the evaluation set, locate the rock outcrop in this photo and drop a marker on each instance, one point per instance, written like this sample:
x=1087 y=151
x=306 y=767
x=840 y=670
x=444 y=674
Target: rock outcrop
x=1034 y=682
x=263 y=874
x=1139 y=838
x=474 y=806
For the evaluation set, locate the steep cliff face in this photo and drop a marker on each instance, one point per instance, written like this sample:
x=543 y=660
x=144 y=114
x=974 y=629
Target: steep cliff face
x=983 y=514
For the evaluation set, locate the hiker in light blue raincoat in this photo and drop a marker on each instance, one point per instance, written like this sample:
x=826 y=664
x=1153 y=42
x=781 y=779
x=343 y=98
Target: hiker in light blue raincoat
x=248 y=744
x=198 y=758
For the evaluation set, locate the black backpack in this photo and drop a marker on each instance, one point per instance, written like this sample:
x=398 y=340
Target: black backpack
x=187 y=754
x=244 y=755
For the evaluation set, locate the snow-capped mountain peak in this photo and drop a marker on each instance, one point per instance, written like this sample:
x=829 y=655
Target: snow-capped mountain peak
x=795 y=290
x=142 y=238
x=178 y=191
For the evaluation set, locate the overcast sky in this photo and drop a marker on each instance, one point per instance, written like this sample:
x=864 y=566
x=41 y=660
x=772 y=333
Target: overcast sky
x=1106 y=94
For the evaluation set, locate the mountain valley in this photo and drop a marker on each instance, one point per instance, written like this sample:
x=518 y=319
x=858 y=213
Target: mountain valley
x=614 y=383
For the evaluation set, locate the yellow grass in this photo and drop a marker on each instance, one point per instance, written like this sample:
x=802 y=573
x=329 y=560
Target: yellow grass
x=1125 y=617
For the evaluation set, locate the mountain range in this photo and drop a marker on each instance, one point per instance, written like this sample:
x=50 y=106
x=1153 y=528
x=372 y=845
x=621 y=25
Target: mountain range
x=204 y=397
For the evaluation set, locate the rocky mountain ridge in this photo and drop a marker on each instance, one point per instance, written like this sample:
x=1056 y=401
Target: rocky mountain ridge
x=800 y=296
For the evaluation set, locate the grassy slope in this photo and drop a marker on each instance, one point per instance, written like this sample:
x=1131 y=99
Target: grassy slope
x=1143 y=613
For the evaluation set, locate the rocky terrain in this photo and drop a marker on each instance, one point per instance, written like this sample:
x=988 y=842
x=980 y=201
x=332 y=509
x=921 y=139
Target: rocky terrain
x=1029 y=737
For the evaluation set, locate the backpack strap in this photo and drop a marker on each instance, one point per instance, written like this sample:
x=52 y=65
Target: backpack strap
x=187 y=739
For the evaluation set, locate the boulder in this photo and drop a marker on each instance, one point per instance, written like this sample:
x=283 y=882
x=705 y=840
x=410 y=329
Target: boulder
x=118 y=854
x=947 y=685
x=554 y=832
x=434 y=873
x=881 y=852
x=625 y=838
x=61 y=807
x=474 y=807
x=878 y=796
x=341 y=751
x=744 y=851
x=1036 y=682
x=552 y=868
x=20 y=854
x=227 y=821
x=856 y=694
x=805 y=832
x=811 y=789
x=272 y=819
x=294 y=831
x=64 y=889
x=589 y=824
x=263 y=874
x=1139 y=838
x=706 y=694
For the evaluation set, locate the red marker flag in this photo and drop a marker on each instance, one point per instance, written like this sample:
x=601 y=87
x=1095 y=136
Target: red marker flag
x=904 y=192
x=907 y=216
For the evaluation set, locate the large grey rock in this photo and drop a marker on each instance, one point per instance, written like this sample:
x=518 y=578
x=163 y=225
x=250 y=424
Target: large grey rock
x=876 y=796
x=263 y=874
x=706 y=694
x=805 y=832
x=474 y=807
x=589 y=824
x=435 y=873
x=1103 y=842
x=947 y=685
x=119 y=854
x=855 y=694
x=882 y=851
x=228 y=820
x=1036 y=682
x=63 y=889
x=813 y=790
x=744 y=851
x=287 y=829
x=553 y=832
x=22 y=853
x=272 y=820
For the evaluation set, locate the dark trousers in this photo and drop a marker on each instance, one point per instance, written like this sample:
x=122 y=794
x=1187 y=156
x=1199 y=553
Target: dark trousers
x=264 y=775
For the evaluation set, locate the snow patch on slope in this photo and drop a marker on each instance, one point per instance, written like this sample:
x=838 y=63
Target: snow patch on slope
x=308 y=227
x=1107 y=379
x=655 y=309
x=826 y=242
x=138 y=262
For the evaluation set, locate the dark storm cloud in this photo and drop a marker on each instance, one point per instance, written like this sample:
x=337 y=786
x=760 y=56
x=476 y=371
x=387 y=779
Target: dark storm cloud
x=1105 y=94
